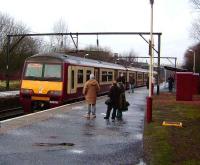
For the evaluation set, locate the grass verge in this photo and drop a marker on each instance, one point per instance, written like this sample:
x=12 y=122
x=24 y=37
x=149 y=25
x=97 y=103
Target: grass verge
x=167 y=145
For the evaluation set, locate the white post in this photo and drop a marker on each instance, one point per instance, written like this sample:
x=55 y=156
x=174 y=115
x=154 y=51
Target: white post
x=151 y=50
x=165 y=75
x=194 y=56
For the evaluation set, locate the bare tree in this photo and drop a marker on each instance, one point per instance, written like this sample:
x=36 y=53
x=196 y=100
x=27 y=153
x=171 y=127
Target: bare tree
x=189 y=58
x=195 y=29
x=99 y=53
x=196 y=4
x=27 y=47
x=60 y=42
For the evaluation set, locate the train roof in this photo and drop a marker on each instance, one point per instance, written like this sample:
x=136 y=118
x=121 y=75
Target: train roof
x=140 y=70
x=137 y=69
x=81 y=61
x=75 y=60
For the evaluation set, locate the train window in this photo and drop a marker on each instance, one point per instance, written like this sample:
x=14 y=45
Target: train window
x=52 y=71
x=72 y=79
x=104 y=76
x=33 y=70
x=139 y=76
x=119 y=74
x=43 y=71
x=88 y=72
x=80 y=76
x=110 y=76
x=145 y=76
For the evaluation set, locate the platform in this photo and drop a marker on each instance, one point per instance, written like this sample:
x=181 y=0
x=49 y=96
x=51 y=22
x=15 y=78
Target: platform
x=61 y=136
x=4 y=94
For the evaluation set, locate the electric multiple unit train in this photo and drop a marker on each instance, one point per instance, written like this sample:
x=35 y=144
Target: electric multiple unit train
x=53 y=79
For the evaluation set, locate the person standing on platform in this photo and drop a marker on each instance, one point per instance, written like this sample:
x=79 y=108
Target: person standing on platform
x=90 y=90
x=114 y=95
x=147 y=83
x=122 y=101
x=170 y=83
x=121 y=79
x=131 y=84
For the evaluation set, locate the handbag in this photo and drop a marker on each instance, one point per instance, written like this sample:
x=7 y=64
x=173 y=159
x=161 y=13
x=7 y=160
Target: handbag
x=127 y=103
x=108 y=101
x=125 y=107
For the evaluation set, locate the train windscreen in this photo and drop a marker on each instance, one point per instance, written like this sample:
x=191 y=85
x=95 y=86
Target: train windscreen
x=43 y=72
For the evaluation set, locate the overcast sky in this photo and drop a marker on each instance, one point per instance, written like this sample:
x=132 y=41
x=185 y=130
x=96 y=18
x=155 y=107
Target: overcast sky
x=171 y=17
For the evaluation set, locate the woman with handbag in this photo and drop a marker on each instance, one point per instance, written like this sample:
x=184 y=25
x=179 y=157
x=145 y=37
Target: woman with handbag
x=122 y=101
x=113 y=101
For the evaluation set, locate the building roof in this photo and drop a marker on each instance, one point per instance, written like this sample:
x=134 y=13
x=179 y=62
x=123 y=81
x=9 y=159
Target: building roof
x=175 y=69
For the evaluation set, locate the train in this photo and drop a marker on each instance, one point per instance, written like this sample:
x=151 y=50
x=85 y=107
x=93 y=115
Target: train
x=53 y=79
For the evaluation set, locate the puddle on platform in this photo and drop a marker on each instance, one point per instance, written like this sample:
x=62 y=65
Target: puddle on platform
x=141 y=162
x=77 y=107
x=138 y=136
x=52 y=144
x=19 y=132
x=77 y=151
x=62 y=116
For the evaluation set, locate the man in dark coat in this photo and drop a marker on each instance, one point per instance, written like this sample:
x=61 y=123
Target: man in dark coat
x=170 y=83
x=114 y=95
x=131 y=84
x=122 y=101
x=121 y=79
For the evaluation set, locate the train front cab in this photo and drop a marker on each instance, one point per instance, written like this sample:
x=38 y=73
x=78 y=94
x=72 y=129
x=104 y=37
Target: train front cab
x=41 y=85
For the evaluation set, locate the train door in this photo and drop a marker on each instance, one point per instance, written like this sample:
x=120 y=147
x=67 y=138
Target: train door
x=72 y=81
x=115 y=75
x=132 y=77
x=96 y=74
x=88 y=71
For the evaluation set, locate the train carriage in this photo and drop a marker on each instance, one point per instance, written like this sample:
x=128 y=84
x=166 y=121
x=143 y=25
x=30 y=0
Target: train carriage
x=52 y=79
x=140 y=75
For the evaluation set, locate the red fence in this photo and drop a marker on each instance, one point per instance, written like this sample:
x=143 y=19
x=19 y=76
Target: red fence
x=12 y=76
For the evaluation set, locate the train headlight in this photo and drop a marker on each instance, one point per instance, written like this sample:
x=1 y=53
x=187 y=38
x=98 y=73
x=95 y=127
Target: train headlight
x=26 y=91
x=53 y=93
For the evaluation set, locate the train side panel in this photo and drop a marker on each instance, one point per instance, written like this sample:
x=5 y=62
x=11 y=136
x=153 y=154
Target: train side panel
x=51 y=80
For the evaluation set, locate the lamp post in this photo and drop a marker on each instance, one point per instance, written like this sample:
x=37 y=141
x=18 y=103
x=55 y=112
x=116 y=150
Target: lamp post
x=86 y=55
x=149 y=98
x=194 y=56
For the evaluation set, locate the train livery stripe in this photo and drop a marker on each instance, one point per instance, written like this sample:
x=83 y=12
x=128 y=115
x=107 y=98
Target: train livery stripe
x=41 y=87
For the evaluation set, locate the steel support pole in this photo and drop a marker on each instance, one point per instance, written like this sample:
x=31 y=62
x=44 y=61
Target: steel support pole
x=7 y=62
x=149 y=98
x=175 y=61
x=158 y=69
x=151 y=44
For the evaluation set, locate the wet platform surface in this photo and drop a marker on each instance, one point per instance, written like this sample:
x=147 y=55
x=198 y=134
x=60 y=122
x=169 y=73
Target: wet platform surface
x=62 y=136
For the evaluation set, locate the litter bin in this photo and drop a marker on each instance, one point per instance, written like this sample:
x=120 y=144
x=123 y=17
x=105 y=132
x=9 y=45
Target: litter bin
x=184 y=83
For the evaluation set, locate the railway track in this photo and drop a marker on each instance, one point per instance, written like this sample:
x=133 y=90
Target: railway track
x=10 y=113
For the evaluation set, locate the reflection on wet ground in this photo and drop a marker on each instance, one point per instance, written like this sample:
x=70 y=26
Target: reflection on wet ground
x=68 y=138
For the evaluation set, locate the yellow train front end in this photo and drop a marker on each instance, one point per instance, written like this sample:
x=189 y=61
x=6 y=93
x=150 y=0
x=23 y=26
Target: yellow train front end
x=41 y=85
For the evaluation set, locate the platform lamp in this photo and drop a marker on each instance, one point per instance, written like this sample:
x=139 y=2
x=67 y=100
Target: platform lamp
x=194 y=59
x=149 y=98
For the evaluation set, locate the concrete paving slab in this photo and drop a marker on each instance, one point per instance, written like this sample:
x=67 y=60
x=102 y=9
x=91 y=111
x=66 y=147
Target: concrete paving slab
x=62 y=136
x=8 y=93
